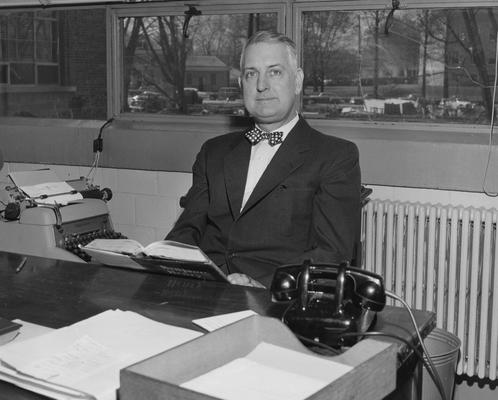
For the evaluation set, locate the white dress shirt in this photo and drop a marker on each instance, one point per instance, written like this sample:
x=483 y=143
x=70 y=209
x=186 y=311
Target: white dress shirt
x=261 y=155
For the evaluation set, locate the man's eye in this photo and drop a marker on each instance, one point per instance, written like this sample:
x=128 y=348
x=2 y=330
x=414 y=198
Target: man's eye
x=275 y=72
x=249 y=74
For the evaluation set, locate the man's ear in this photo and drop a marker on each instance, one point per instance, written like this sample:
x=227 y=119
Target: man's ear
x=299 y=80
x=240 y=82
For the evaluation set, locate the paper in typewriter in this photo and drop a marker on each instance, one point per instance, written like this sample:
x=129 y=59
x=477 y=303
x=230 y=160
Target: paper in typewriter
x=44 y=187
x=86 y=357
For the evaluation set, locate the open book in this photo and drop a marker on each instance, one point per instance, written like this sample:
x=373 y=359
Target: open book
x=164 y=256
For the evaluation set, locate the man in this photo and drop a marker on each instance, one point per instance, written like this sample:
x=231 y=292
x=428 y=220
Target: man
x=253 y=207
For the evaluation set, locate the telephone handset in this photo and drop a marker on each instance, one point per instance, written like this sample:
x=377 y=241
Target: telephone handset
x=328 y=300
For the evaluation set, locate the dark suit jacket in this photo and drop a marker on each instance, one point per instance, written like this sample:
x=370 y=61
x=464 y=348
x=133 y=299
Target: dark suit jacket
x=305 y=206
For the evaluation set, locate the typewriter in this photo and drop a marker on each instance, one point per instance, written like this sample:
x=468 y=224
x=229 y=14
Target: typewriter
x=50 y=229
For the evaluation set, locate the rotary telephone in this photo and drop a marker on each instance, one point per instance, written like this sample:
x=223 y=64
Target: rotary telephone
x=327 y=301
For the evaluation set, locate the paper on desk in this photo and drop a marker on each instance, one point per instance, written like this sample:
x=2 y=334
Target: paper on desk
x=29 y=330
x=269 y=372
x=87 y=356
x=218 y=321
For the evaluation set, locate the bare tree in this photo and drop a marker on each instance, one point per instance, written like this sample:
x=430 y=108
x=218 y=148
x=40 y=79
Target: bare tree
x=130 y=47
x=459 y=30
x=321 y=33
x=478 y=57
x=166 y=50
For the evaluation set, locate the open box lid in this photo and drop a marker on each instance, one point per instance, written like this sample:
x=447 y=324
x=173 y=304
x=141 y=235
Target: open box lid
x=160 y=377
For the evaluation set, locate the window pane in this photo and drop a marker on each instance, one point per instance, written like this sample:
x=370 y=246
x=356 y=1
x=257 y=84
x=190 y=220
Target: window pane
x=21 y=36
x=46 y=42
x=410 y=65
x=3 y=73
x=3 y=38
x=48 y=74
x=56 y=63
x=167 y=72
x=22 y=73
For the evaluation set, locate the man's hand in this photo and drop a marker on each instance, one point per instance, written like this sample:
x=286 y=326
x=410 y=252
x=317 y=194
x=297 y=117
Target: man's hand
x=244 y=280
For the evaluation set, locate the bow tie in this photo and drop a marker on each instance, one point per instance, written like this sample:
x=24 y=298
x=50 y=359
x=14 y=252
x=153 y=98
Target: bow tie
x=255 y=135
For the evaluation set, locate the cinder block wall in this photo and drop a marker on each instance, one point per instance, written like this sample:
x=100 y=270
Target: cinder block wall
x=145 y=204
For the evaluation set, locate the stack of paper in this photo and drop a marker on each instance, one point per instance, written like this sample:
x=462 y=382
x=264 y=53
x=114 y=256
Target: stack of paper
x=85 y=358
x=8 y=330
x=269 y=372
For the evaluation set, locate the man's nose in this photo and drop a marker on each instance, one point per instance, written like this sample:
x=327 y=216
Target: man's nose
x=262 y=83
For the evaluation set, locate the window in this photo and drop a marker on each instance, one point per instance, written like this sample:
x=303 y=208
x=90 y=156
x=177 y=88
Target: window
x=179 y=60
x=28 y=49
x=409 y=64
x=53 y=63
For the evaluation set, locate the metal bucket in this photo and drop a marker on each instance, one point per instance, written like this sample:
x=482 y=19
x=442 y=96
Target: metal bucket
x=444 y=349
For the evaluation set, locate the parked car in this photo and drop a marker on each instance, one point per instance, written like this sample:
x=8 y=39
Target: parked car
x=229 y=93
x=148 y=101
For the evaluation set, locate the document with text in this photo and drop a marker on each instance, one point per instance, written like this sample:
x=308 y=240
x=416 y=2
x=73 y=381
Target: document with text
x=83 y=360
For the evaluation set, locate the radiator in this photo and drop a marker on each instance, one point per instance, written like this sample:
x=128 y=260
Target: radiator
x=442 y=259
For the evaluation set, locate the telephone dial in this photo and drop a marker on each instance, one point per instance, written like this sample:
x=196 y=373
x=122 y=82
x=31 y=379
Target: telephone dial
x=327 y=301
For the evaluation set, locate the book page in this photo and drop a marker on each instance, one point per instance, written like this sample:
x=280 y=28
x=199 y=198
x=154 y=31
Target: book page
x=112 y=259
x=175 y=251
x=122 y=246
x=266 y=374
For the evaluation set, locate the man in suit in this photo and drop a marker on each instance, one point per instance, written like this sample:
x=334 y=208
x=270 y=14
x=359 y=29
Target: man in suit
x=255 y=205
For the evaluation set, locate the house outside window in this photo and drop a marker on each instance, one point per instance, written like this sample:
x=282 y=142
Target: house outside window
x=184 y=68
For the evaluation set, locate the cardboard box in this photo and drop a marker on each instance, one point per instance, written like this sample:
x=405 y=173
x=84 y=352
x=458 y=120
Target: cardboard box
x=159 y=377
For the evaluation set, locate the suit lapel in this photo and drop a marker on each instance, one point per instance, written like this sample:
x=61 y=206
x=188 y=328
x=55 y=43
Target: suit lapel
x=290 y=156
x=235 y=170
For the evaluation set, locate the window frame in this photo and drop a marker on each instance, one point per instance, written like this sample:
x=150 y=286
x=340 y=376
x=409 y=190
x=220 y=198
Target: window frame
x=35 y=61
x=290 y=15
x=115 y=66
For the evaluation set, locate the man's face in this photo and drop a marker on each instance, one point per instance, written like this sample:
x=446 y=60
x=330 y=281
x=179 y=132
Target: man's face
x=270 y=84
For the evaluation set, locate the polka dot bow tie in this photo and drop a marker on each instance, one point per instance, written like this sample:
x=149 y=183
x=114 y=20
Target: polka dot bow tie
x=255 y=135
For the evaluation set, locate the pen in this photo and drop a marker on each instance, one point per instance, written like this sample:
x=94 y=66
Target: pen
x=21 y=264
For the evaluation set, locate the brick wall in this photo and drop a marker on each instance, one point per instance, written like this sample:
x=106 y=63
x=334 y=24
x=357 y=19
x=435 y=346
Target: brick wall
x=84 y=60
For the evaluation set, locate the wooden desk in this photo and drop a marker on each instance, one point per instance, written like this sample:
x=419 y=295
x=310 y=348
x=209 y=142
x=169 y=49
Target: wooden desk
x=57 y=293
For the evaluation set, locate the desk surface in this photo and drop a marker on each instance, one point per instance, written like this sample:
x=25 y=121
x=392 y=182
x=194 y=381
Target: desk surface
x=56 y=293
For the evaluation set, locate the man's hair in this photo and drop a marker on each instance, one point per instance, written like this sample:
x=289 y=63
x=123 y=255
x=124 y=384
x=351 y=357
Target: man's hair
x=271 y=37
